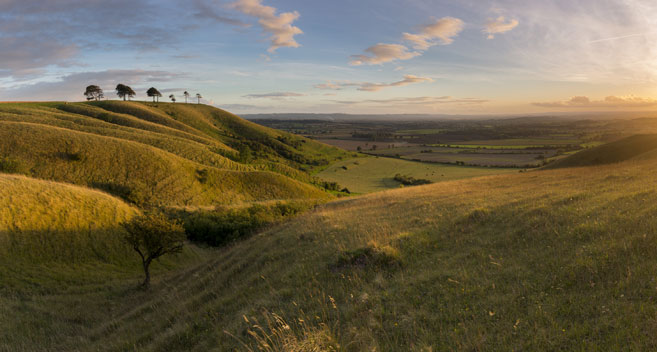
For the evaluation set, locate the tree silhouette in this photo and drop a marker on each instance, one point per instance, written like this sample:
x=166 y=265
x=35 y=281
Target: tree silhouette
x=124 y=91
x=93 y=92
x=152 y=92
x=186 y=94
x=153 y=235
x=198 y=97
x=172 y=97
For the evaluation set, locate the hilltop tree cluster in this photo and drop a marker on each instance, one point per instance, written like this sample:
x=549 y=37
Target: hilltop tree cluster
x=94 y=92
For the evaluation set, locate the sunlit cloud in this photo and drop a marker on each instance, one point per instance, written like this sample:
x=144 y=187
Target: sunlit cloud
x=442 y=31
x=382 y=53
x=428 y=101
x=372 y=87
x=279 y=26
x=608 y=102
x=274 y=95
x=499 y=25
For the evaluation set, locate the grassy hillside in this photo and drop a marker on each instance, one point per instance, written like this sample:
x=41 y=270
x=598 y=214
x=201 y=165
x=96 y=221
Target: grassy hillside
x=159 y=154
x=614 y=152
x=546 y=260
x=43 y=220
x=371 y=174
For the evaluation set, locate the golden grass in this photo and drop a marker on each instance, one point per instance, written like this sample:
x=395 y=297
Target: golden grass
x=545 y=260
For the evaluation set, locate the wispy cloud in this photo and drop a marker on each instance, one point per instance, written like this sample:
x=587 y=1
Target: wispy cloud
x=274 y=95
x=442 y=31
x=382 y=53
x=608 y=102
x=499 y=25
x=279 y=26
x=373 y=87
x=428 y=101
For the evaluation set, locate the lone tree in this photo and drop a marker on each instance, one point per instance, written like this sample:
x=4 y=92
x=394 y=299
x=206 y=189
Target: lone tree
x=152 y=92
x=93 y=92
x=173 y=98
x=153 y=235
x=198 y=98
x=124 y=91
x=186 y=94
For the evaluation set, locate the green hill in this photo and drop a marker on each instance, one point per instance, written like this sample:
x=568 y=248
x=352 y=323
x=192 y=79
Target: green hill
x=159 y=154
x=44 y=220
x=614 y=152
x=545 y=260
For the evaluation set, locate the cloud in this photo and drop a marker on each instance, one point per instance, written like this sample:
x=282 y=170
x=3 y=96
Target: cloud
x=25 y=56
x=372 y=87
x=207 y=11
x=382 y=53
x=279 y=26
x=608 y=102
x=274 y=95
x=428 y=101
x=442 y=31
x=240 y=107
x=499 y=25
x=70 y=87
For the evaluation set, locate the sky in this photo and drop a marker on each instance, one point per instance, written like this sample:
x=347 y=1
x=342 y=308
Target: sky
x=339 y=56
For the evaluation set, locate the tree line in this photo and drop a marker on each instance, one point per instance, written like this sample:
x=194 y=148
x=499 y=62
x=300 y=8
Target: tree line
x=94 y=92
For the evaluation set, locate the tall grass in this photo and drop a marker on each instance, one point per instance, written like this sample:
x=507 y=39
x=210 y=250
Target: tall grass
x=546 y=260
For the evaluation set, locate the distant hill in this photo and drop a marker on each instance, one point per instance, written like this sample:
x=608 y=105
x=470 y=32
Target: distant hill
x=614 y=152
x=159 y=154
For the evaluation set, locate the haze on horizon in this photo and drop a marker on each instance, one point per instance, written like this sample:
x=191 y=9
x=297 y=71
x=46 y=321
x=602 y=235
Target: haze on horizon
x=372 y=56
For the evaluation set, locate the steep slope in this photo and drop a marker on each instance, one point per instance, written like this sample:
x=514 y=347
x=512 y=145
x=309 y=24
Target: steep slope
x=44 y=220
x=546 y=260
x=159 y=154
x=614 y=152
x=137 y=173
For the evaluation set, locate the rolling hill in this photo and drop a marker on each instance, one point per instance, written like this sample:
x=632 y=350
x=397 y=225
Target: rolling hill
x=632 y=147
x=159 y=154
x=546 y=260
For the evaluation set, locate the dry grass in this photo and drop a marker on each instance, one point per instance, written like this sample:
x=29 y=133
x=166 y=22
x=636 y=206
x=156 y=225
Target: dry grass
x=545 y=260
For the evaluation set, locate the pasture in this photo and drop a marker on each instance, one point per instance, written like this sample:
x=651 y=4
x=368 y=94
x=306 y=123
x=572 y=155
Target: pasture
x=371 y=174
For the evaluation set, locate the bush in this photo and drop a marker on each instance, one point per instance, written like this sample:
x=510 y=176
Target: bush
x=410 y=181
x=225 y=225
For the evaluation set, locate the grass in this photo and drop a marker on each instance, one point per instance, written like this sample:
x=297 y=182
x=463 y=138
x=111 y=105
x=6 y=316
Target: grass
x=43 y=220
x=544 y=260
x=159 y=154
x=371 y=174
x=614 y=152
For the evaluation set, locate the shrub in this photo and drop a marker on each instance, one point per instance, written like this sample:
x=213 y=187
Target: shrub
x=221 y=226
x=410 y=181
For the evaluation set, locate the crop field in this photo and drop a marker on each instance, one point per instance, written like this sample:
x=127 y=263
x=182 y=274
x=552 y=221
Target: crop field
x=520 y=143
x=371 y=174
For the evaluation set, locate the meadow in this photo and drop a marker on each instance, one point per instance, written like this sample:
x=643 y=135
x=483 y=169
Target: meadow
x=371 y=174
x=543 y=260
x=554 y=258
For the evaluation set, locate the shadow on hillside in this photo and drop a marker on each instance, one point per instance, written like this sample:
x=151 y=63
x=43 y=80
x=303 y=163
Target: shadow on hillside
x=75 y=246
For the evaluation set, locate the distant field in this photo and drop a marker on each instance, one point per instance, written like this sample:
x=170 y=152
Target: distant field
x=487 y=159
x=353 y=145
x=371 y=174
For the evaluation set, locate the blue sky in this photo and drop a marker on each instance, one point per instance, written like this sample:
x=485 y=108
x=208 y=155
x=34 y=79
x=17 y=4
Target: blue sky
x=366 y=56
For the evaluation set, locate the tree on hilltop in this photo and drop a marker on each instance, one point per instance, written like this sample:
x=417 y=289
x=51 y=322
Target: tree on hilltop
x=124 y=91
x=93 y=92
x=153 y=235
x=152 y=92
x=173 y=98
x=198 y=97
x=186 y=94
